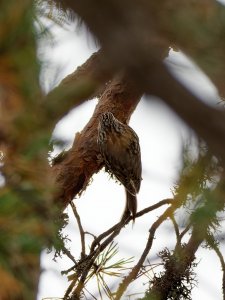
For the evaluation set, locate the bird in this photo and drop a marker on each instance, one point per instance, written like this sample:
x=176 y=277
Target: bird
x=120 y=149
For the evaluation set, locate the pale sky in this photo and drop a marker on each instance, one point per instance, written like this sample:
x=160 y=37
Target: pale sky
x=101 y=205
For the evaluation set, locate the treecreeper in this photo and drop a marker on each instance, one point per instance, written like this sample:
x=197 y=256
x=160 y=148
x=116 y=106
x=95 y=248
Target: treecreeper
x=120 y=150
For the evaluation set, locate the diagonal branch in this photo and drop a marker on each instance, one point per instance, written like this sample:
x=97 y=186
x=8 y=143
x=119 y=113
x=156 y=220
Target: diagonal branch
x=97 y=247
x=139 y=214
x=184 y=255
x=208 y=122
x=195 y=27
x=212 y=243
x=82 y=160
x=82 y=233
x=143 y=42
x=86 y=82
x=186 y=229
x=134 y=272
x=176 y=228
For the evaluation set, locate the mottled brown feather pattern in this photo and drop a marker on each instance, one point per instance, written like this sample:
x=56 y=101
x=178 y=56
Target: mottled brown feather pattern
x=119 y=147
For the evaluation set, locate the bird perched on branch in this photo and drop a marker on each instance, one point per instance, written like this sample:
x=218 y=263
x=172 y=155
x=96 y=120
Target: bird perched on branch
x=119 y=147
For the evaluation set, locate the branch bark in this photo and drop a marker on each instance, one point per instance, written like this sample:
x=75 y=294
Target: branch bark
x=82 y=160
x=131 y=40
x=196 y=27
x=139 y=52
x=87 y=81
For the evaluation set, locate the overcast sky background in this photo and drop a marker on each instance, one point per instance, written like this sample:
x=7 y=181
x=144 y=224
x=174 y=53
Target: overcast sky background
x=161 y=134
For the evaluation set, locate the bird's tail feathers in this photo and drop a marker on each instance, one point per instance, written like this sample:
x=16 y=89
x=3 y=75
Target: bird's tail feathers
x=131 y=206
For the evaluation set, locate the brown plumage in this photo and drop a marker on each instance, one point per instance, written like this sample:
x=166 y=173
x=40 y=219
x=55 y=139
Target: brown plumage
x=119 y=147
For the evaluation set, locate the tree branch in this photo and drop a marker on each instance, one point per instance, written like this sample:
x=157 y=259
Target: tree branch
x=183 y=26
x=143 y=41
x=134 y=272
x=82 y=160
x=212 y=243
x=176 y=228
x=82 y=233
x=86 y=82
x=120 y=224
x=97 y=247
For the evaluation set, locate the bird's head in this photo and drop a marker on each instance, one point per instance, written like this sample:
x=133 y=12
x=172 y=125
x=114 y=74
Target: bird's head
x=107 y=119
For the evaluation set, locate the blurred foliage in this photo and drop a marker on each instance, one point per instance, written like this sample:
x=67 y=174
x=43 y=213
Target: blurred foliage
x=200 y=185
x=182 y=285
x=27 y=207
x=26 y=195
x=200 y=188
x=105 y=265
x=200 y=194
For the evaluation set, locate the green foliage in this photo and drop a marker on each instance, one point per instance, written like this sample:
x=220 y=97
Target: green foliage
x=201 y=191
x=200 y=185
x=106 y=265
x=59 y=240
x=182 y=285
x=27 y=207
x=26 y=194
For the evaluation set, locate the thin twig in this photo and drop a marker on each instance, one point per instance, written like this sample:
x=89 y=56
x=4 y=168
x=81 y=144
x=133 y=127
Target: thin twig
x=121 y=223
x=90 y=260
x=82 y=233
x=68 y=254
x=212 y=243
x=111 y=233
x=176 y=228
x=106 y=233
x=185 y=231
x=186 y=255
x=91 y=234
x=134 y=272
x=145 y=270
x=90 y=294
x=153 y=207
x=65 y=272
x=80 y=285
x=92 y=256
